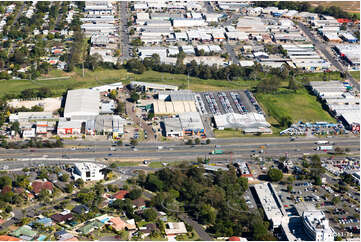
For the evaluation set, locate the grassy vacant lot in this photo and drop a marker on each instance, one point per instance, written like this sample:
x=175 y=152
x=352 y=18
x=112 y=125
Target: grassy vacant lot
x=104 y=76
x=301 y=106
x=356 y=75
x=348 y=6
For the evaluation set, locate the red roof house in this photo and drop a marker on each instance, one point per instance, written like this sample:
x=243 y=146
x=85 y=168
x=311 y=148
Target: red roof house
x=234 y=238
x=38 y=186
x=120 y=195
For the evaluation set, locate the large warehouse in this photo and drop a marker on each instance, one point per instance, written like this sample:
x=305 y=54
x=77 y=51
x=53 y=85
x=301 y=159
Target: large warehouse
x=82 y=104
x=248 y=122
x=189 y=123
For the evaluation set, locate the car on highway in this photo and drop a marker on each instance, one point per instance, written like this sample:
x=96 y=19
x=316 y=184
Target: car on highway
x=110 y=154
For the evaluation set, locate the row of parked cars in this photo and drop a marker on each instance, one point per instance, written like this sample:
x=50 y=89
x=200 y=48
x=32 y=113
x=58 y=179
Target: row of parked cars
x=225 y=102
x=213 y=106
x=347 y=220
x=237 y=101
x=201 y=105
x=254 y=102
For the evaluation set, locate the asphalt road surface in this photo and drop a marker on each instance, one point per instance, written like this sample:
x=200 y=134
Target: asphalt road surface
x=233 y=148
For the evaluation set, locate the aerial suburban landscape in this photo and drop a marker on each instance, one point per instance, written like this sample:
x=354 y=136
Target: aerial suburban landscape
x=179 y=120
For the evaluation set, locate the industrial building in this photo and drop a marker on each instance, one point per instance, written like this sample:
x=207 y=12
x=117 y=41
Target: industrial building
x=173 y=107
x=349 y=52
x=153 y=87
x=181 y=95
x=72 y=127
x=316 y=226
x=109 y=87
x=88 y=171
x=30 y=116
x=186 y=124
x=340 y=102
x=249 y=122
x=82 y=104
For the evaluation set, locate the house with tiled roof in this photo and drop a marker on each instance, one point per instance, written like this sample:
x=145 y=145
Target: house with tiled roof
x=8 y=238
x=25 y=232
x=90 y=227
x=39 y=186
x=147 y=229
x=120 y=195
x=62 y=218
x=139 y=203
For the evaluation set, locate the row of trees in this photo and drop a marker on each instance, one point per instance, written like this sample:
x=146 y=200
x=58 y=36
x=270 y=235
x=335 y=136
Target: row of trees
x=33 y=143
x=215 y=200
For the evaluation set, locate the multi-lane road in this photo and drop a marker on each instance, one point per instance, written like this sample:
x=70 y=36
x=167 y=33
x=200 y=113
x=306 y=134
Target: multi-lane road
x=235 y=148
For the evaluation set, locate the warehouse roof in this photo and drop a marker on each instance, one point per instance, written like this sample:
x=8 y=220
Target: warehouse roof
x=161 y=107
x=235 y=120
x=82 y=102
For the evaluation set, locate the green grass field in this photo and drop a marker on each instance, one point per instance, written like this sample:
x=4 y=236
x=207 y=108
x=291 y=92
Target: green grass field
x=356 y=75
x=301 y=106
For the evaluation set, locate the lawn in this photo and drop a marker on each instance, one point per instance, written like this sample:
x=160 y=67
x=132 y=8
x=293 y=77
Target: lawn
x=348 y=6
x=356 y=75
x=120 y=164
x=301 y=106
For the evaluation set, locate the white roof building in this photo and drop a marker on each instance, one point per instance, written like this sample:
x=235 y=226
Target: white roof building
x=251 y=120
x=81 y=103
x=273 y=209
x=317 y=226
x=108 y=87
x=88 y=171
x=188 y=22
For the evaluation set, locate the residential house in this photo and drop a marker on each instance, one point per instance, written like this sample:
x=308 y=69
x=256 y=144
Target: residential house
x=175 y=228
x=25 y=232
x=90 y=227
x=39 y=186
x=120 y=195
x=8 y=238
x=139 y=203
x=62 y=217
x=147 y=230
x=80 y=209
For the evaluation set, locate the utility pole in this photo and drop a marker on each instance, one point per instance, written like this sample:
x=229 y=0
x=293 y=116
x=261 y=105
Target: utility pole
x=188 y=80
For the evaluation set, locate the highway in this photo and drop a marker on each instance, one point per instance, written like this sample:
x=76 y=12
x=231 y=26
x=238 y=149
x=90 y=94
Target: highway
x=235 y=148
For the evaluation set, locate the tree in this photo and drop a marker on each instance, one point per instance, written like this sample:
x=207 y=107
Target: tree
x=5 y=181
x=93 y=61
x=339 y=150
x=134 y=96
x=274 y=174
x=133 y=142
x=335 y=200
x=135 y=194
x=286 y=121
x=291 y=179
x=15 y=126
x=150 y=115
x=119 y=143
x=69 y=188
x=189 y=142
x=289 y=188
x=149 y=214
x=197 y=141
x=79 y=183
x=64 y=177
x=292 y=84
x=208 y=141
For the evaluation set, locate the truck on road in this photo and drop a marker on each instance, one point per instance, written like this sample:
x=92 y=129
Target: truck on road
x=325 y=147
x=322 y=142
x=217 y=152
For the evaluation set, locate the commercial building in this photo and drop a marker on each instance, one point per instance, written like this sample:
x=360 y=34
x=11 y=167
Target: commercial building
x=182 y=95
x=82 y=104
x=153 y=86
x=88 y=171
x=248 y=122
x=30 y=116
x=186 y=124
x=188 y=22
x=270 y=203
x=351 y=53
x=316 y=226
x=72 y=127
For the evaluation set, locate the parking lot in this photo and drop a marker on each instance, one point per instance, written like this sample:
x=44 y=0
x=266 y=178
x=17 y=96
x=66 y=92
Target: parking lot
x=216 y=103
x=344 y=216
